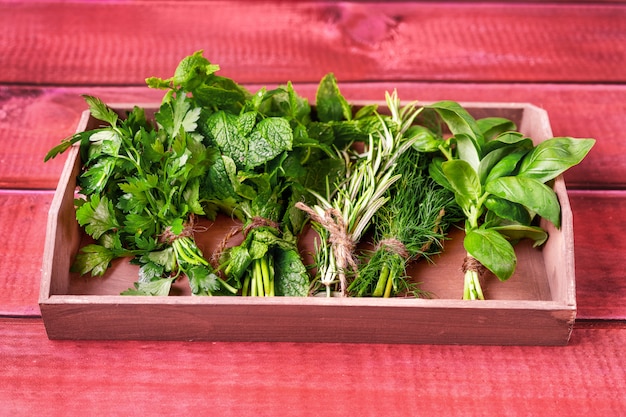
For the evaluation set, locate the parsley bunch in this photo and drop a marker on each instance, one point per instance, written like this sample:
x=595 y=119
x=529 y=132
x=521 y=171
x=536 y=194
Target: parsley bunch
x=140 y=194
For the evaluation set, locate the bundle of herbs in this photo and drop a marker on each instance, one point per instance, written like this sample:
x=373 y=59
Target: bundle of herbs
x=215 y=147
x=140 y=195
x=273 y=162
x=412 y=225
x=501 y=181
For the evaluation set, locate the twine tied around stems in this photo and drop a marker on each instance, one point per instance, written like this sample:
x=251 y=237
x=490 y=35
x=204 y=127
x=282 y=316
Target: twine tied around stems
x=341 y=242
x=393 y=245
x=472 y=264
x=258 y=221
x=217 y=253
x=189 y=228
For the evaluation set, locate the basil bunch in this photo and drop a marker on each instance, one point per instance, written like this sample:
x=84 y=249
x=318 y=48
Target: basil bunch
x=499 y=179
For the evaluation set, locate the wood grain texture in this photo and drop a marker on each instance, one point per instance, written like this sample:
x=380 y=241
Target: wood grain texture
x=599 y=229
x=42 y=116
x=113 y=43
x=23 y=223
x=61 y=378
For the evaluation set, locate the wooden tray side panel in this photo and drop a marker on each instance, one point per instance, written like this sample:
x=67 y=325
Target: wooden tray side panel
x=62 y=232
x=315 y=321
x=558 y=252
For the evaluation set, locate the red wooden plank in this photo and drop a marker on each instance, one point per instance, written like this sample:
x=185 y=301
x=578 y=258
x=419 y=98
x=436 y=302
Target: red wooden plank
x=41 y=377
x=120 y=42
x=41 y=117
x=23 y=218
x=599 y=231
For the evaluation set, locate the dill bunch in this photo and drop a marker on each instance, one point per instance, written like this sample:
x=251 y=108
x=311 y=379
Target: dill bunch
x=412 y=225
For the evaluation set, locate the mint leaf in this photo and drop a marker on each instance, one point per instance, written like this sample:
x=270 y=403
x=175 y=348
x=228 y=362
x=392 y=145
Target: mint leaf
x=330 y=104
x=270 y=138
x=291 y=275
x=192 y=71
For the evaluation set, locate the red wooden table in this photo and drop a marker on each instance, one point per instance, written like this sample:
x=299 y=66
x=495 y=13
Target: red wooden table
x=566 y=57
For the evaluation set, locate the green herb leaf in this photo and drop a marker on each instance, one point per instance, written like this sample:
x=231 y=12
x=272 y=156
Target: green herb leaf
x=97 y=216
x=330 y=104
x=491 y=127
x=530 y=193
x=515 y=232
x=157 y=287
x=202 y=280
x=270 y=138
x=93 y=258
x=96 y=177
x=101 y=111
x=193 y=71
x=508 y=210
x=467 y=150
x=462 y=178
x=492 y=250
x=505 y=165
x=291 y=275
x=458 y=120
x=552 y=157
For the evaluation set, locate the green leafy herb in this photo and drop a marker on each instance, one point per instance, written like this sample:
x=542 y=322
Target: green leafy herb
x=410 y=226
x=498 y=178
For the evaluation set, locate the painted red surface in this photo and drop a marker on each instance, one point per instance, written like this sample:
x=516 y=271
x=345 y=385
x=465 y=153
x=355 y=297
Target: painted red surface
x=566 y=57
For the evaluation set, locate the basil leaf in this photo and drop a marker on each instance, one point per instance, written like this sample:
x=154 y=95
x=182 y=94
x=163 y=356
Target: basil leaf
x=506 y=165
x=507 y=139
x=458 y=120
x=508 y=210
x=529 y=192
x=493 y=126
x=492 y=250
x=435 y=171
x=516 y=232
x=462 y=178
x=467 y=150
x=425 y=139
x=554 y=156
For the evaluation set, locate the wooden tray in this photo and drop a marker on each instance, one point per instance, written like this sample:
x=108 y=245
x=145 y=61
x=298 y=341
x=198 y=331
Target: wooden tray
x=536 y=306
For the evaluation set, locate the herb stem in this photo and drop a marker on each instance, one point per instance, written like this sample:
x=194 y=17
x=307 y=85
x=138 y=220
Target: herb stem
x=246 y=286
x=381 y=285
x=388 y=288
